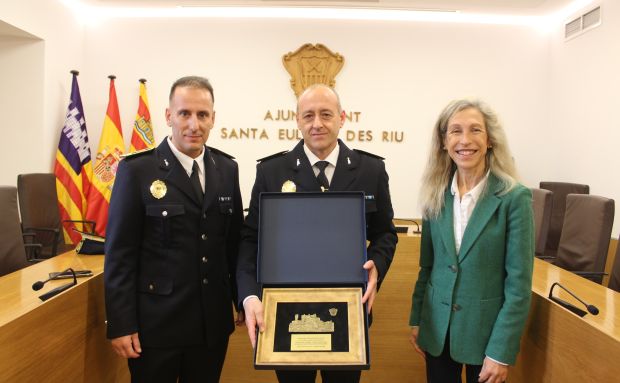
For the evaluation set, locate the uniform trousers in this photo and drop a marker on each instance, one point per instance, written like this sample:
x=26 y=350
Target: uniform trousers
x=331 y=376
x=191 y=364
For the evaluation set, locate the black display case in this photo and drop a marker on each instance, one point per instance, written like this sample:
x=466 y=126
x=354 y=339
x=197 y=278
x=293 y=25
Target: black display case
x=311 y=249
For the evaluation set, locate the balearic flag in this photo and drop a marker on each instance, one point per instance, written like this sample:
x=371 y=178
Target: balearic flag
x=142 y=136
x=111 y=146
x=73 y=167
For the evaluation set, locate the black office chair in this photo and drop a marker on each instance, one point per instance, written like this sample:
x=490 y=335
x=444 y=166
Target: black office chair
x=614 y=277
x=560 y=191
x=38 y=204
x=586 y=233
x=14 y=254
x=542 y=205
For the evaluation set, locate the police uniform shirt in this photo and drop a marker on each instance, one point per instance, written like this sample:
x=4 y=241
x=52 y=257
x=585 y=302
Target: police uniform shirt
x=332 y=158
x=188 y=162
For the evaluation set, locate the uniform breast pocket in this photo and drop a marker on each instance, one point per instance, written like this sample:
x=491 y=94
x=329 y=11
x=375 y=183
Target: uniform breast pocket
x=225 y=205
x=163 y=221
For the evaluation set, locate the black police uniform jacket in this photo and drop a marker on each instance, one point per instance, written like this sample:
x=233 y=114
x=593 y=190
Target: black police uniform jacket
x=355 y=171
x=170 y=261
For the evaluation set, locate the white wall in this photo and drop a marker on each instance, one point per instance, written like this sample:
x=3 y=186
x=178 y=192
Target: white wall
x=556 y=99
x=37 y=87
x=584 y=107
x=21 y=103
x=399 y=75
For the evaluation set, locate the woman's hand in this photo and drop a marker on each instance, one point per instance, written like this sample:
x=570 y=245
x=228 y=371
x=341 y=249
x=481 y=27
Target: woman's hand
x=492 y=372
x=413 y=339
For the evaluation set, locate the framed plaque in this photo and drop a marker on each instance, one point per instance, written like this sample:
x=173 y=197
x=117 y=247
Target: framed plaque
x=313 y=327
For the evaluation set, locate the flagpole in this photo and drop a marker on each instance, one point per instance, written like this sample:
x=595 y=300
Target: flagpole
x=111 y=147
x=73 y=166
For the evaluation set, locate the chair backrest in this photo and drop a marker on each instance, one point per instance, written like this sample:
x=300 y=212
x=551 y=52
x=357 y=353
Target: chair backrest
x=38 y=201
x=614 y=276
x=12 y=251
x=560 y=191
x=38 y=205
x=586 y=233
x=542 y=204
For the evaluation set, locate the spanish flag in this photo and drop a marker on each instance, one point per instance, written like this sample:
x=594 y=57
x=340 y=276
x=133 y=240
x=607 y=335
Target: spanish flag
x=111 y=147
x=73 y=166
x=142 y=136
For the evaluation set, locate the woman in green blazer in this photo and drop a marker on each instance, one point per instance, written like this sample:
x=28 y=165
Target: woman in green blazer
x=472 y=296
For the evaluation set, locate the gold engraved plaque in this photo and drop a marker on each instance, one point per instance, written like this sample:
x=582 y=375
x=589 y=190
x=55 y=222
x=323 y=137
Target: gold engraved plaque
x=312 y=64
x=158 y=189
x=319 y=327
x=311 y=342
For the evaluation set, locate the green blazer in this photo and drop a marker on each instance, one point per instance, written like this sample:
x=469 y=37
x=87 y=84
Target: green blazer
x=482 y=294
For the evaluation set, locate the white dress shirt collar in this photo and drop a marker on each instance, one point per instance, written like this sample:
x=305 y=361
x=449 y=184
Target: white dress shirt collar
x=332 y=159
x=463 y=207
x=188 y=162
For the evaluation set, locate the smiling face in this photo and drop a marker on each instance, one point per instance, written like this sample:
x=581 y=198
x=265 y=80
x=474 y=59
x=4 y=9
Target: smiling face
x=319 y=118
x=467 y=142
x=191 y=117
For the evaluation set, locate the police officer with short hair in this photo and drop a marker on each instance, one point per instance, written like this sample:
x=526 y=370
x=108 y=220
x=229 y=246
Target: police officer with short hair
x=171 y=248
x=319 y=162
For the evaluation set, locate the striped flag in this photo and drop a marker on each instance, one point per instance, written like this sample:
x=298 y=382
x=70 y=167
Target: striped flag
x=111 y=146
x=142 y=136
x=73 y=167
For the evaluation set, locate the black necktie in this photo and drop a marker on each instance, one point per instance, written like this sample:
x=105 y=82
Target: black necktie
x=321 y=177
x=195 y=179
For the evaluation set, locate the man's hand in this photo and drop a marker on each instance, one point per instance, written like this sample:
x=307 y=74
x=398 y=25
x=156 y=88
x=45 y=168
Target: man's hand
x=127 y=346
x=492 y=372
x=371 y=288
x=253 y=308
x=413 y=339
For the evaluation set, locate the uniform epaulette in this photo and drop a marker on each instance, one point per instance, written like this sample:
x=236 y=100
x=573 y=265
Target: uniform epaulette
x=136 y=153
x=369 y=154
x=221 y=152
x=272 y=156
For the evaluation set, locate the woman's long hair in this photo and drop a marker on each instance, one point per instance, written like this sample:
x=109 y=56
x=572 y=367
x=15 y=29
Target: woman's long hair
x=440 y=166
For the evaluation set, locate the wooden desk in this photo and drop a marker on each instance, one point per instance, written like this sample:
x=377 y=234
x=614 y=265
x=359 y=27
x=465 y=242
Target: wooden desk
x=62 y=339
x=559 y=346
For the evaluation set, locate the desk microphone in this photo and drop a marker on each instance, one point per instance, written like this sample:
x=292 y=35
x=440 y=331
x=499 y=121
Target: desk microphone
x=591 y=308
x=38 y=285
x=417 y=225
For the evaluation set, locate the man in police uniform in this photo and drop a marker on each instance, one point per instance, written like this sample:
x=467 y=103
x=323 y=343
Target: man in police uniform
x=171 y=248
x=319 y=162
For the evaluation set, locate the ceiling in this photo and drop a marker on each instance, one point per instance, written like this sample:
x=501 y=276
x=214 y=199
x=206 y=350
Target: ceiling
x=500 y=7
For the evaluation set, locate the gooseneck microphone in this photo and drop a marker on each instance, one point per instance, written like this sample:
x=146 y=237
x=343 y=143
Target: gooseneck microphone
x=38 y=285
x=591 y=308
x=417 y=229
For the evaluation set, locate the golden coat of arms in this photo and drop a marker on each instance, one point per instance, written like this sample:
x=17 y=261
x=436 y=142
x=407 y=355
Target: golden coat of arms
x=312 y=64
